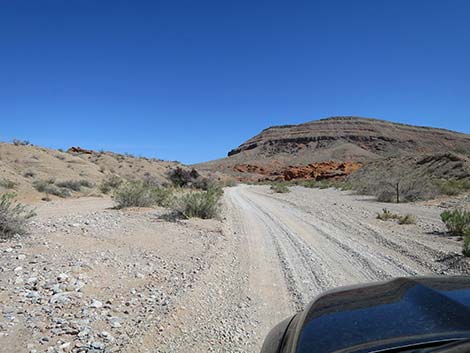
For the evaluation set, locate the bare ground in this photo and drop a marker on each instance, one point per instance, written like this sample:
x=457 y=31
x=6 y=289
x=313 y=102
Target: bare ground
x=138 y=281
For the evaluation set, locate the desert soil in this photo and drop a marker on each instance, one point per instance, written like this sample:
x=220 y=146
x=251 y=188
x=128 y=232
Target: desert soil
x=90 y=278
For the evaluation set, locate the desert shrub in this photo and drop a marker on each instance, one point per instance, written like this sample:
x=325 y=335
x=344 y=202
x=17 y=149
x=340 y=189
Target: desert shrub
x=280 y=188
x=110 y=183
x=190 y=178
x=86 y=183
x=7 y=183
x=29 y=174
x=457 y=221
x=151 y=180
x=385 y=215
x=48 y=187
x=59 y=156
x=133 y=194
x=407 y=219
x=203 y=183
x=137 y=194
x=345 y=185
x=201 y=204
x=18 y=142
x=13 y=216
x=182 y=177
x=466 y=246
x=73 y=185
x=308 y=183
x=163 y=196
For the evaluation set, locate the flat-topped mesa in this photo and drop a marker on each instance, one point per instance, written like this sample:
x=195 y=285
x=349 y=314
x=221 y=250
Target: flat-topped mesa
x=368 y=136
x=322 y=148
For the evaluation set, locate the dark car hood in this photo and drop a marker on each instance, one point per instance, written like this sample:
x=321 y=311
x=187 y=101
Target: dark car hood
x=404 y=310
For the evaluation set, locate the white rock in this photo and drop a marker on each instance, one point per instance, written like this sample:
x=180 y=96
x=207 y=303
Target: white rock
x=62 y=277
x=60 y=298
x=64 y=345
x=32 y=280
x=97 y=345
x=114 y=322
x=96 y=304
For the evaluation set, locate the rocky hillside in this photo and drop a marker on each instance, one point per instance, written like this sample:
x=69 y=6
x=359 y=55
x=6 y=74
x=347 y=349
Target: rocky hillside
x=22 y=164
x=278 y=149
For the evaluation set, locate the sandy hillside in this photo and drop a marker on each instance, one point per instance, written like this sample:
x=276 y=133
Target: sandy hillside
x=23 y=164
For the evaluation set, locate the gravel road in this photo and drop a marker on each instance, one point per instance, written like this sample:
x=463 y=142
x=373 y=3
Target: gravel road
x=93 y=279
x=281 y=250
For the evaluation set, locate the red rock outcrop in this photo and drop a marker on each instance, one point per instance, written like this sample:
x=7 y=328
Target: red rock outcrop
x=321 y=170
x=316 y=171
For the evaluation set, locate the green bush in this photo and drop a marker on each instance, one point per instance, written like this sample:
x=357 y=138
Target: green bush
x=48 y=187
x=112 y=182
x=190 y=178
x=457 y=221
x=385 y=215
x=86 y=183
x=203 y=204
x=13 y=216
x=18 y=142
x=73 y=185
x=280 y=188
x=407 y=219
x=466 y=246
x=182 y=177
x=7 y=183
x=137 y=194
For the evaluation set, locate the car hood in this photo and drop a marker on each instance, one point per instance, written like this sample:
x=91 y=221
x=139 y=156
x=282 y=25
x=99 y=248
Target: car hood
x=381 y=315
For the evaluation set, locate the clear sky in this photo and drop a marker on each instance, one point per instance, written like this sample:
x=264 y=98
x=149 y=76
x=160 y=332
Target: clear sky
x=189 y=80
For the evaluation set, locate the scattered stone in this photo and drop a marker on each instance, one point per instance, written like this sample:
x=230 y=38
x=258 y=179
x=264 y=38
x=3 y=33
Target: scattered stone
x=62 y=277
x=96 y=304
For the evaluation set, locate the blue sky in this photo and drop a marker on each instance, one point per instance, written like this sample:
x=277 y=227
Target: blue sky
x=190 y=80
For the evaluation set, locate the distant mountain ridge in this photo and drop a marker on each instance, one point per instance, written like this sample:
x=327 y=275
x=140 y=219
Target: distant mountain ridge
x=371 y=135
x=340 y=139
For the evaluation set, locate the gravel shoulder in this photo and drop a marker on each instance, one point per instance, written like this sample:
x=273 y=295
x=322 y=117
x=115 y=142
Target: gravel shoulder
x=90 y=278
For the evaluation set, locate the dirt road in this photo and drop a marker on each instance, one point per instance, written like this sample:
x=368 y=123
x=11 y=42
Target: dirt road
x=91 y=278
x=283 y=250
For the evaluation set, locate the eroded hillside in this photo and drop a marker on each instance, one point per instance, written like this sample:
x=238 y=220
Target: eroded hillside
x=22 y=165
x=281 y=151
